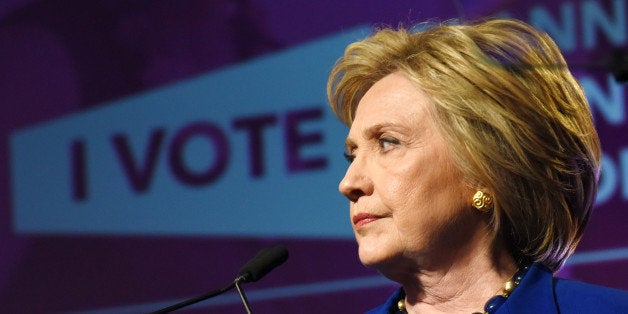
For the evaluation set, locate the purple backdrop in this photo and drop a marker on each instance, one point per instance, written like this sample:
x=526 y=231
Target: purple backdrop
x=59 y=57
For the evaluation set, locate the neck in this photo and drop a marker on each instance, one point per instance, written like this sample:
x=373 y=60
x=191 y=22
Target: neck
x=461 y=284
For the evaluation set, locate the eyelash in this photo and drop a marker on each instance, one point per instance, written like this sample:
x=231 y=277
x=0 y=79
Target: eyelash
x=382 y=142
x=387 y=140
x=348 y=157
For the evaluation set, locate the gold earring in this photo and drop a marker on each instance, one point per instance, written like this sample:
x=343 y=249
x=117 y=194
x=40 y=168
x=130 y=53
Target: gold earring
x=482 y=201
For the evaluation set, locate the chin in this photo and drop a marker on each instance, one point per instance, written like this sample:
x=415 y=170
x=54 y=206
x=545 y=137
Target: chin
x=368 y=260
x=373 y=255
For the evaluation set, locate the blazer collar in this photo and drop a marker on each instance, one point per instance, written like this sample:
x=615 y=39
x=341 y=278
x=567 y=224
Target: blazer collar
x=535 y=294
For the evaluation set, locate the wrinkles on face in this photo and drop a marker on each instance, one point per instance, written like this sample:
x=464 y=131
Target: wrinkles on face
x=401 y=174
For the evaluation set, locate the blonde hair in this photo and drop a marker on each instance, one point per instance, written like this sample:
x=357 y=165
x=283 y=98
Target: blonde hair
x=517 y=120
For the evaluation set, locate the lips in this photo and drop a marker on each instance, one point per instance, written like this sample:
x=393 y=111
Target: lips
x=363 y=219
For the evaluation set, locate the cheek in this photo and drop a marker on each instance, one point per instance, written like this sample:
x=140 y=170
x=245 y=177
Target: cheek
x=398 y=191
x=413 y=189
x=422 y=199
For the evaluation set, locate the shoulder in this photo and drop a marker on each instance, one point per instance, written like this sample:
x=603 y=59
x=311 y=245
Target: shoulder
x=382 y=309
x=575 y=296
x=540 y=292
x=389 y=306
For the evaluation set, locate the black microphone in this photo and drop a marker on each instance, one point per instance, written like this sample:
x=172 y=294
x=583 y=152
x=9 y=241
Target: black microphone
x=265 y=261
x=256 y=268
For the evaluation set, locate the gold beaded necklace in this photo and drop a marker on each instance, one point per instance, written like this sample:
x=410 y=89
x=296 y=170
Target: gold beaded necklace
x=493 y=303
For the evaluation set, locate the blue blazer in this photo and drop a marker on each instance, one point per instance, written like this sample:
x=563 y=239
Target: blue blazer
x=540 y=292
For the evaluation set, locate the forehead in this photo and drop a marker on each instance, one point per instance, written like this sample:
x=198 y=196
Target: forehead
x=393 y=99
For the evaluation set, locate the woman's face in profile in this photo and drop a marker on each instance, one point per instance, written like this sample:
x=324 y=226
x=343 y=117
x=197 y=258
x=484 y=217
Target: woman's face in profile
x=407 y=199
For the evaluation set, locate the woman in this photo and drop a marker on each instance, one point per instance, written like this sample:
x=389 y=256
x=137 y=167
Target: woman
x=473 y=168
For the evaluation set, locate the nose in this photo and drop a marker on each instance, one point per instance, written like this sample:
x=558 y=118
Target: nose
x=356 y=183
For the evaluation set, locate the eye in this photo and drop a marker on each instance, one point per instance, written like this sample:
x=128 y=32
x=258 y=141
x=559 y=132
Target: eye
x=349 y=157
x=387 y=143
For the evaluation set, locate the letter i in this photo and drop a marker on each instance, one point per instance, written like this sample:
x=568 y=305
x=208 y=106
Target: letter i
x=78 y=166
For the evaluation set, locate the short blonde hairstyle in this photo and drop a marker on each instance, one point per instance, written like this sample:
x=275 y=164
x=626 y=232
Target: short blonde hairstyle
x=518 y=122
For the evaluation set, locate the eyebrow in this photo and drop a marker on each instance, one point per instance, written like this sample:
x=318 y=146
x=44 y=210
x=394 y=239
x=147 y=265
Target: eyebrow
x=349 y=144
x=370 y=132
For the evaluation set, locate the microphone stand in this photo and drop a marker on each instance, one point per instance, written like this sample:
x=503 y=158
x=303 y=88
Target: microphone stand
x=241 y=293
x=265 y=261
x=198 y=299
